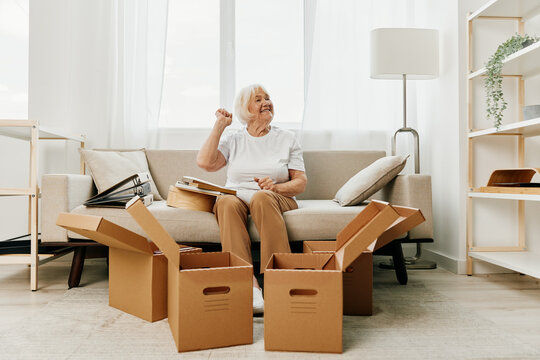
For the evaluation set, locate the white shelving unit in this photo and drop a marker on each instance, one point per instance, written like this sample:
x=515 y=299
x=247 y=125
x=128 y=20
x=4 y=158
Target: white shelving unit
x=31 y=131
x=523 y=262
x=521 y=65
x=526 y=128
x=523 y=62
x=506 y=8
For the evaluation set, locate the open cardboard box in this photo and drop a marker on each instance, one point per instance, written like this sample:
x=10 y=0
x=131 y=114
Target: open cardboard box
x=137 y=268
x=304 y=292
x=210 y=296
x=358 y=276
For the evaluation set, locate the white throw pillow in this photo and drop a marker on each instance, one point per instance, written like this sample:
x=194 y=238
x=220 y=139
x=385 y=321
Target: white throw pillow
x=370 y=180
x=109 y=167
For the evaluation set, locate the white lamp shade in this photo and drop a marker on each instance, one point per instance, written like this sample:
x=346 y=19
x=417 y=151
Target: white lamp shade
x=398 y=51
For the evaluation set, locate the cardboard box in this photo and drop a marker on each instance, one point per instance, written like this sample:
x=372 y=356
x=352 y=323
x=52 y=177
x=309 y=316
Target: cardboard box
x=358 y=277
x=210 y=296
x=137 y=268
x=304 y=292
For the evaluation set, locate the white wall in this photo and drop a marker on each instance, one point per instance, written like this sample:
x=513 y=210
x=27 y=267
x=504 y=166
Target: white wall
x=13 y=105
x=436 y=117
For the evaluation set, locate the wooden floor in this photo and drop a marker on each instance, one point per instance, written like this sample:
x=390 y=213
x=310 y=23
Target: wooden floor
x=504 y=307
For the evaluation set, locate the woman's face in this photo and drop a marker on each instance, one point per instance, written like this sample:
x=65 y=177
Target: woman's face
x=260 y=106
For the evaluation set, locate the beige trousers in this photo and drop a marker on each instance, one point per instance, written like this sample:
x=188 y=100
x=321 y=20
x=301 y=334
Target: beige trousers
x=266 y=208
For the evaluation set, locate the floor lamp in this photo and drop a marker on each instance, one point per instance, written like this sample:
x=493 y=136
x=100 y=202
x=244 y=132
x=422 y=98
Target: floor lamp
x=406 y=53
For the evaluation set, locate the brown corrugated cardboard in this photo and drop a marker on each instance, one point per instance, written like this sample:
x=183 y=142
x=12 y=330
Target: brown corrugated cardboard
x=358 y=277
x=304 y=292
x=137 y=269
x=408 y=219
x=210 y=296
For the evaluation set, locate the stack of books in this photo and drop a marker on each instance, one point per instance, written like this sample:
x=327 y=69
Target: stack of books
x=118 y=195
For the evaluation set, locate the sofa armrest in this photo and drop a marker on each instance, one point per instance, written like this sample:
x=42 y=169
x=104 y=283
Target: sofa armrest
x=61 y=193
x=412 y=191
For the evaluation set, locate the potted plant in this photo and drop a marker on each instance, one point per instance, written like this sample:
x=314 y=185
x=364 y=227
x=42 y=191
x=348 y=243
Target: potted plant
x=493 y=82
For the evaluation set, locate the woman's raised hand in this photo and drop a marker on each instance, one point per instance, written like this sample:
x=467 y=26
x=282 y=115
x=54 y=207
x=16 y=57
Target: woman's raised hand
x=224 y=118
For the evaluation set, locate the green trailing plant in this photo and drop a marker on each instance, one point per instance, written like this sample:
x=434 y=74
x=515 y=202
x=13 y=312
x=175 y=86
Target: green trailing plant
x=493 y=81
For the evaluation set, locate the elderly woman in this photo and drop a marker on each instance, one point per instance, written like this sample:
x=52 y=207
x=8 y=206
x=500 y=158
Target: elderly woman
x=265 y=166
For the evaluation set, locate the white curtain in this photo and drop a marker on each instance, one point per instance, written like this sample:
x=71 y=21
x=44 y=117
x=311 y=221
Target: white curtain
x=344 y=108
x=137 y=43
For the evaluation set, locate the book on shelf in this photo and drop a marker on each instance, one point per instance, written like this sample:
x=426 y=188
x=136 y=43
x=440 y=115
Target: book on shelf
x=194 y=184
x=117 y=196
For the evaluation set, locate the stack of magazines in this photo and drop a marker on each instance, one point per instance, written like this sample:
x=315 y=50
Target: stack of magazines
x=118 y=195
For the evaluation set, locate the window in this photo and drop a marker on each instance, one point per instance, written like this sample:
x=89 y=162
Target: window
x=214 y=48
x=191 y=74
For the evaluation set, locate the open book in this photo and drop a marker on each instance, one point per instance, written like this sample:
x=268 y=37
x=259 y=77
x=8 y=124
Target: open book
x=118 y=195
x=190 y=183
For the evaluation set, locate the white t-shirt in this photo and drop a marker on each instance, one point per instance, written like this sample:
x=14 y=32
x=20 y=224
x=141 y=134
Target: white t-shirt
x=249 y=156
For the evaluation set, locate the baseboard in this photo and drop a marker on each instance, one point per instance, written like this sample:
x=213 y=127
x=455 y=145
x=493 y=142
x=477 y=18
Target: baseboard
x=443 y=261
x=458 y=266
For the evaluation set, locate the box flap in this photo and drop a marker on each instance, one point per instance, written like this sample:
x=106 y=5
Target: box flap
x=155 y=231
x=408 y=219
x=104 y=232
x=362 y=231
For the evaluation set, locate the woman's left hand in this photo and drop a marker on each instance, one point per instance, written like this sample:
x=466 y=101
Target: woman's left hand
x=266 y=184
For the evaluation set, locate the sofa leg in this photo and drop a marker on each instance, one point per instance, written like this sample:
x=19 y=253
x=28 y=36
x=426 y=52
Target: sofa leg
x=399 y=263
x=77 y=266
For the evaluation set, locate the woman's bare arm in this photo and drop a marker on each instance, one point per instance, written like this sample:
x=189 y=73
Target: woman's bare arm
x=296 y=185
x=209 y=157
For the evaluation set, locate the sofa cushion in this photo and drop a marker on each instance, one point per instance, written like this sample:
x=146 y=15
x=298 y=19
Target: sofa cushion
x=314 y=220
x=182 y=224
x=370 y=180
x=108 y=167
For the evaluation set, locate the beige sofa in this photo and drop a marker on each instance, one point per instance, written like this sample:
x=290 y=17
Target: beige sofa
x=317 y=216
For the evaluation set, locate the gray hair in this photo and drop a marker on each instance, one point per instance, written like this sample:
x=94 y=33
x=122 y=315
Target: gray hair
x=241 y=102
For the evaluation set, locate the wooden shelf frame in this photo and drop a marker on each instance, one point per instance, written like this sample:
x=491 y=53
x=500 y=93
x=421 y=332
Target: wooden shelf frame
x=521 y=64
x=31 y=131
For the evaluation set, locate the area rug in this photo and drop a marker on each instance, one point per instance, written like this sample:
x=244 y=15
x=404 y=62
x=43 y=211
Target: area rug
x=409 y=322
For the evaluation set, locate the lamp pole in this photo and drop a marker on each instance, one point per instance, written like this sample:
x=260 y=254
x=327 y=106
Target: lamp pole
x=406 y=129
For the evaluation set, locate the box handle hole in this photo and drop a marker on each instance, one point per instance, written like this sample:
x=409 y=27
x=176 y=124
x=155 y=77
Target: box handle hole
x=216 y=290
x=304 y=268
x=303 y=292
x=350 y=269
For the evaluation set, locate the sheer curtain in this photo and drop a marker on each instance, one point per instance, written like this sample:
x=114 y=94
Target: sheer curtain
x=344 y=108
x=137 y=43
